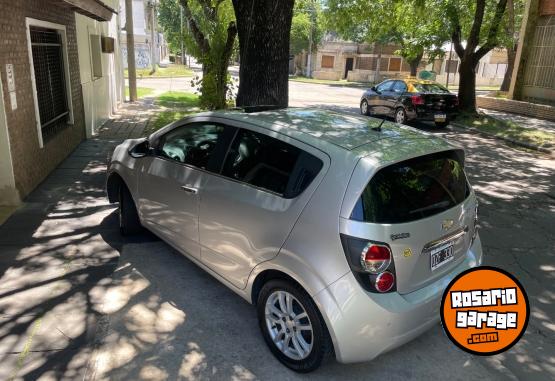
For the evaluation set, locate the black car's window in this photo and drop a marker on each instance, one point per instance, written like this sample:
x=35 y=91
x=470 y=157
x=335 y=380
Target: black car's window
x=270 y=164
x=414 y=189
x=191 y=144
x=399 y=87
x=434 y=88
x=384 y=86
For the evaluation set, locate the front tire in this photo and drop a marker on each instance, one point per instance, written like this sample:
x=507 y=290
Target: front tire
x=364 y=109
x=129 y=223
x=400 y=115
x=292 y=327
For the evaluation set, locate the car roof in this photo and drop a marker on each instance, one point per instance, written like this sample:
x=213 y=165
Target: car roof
x=344 y=130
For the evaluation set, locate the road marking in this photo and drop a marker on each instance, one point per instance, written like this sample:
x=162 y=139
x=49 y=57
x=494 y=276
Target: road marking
x=26 y=348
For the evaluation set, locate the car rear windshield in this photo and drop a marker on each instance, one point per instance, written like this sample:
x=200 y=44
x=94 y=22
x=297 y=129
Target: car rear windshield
x=414 y=189
x=433 y=88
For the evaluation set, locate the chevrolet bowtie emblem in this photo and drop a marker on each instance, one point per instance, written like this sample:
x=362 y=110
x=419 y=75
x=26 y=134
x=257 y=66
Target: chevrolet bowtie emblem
x=447 y=224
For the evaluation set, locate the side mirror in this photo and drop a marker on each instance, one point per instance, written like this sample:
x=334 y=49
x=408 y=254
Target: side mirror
x=373 y=88
x=140 y=150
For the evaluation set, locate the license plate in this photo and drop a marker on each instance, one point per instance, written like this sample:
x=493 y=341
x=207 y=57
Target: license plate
x=441 y=255
x=440 y=117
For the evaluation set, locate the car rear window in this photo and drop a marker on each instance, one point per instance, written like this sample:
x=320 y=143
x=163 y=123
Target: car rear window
x=433 y=88
x=414 y=189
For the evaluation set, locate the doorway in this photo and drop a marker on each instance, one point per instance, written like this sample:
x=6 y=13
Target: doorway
x=348 y=66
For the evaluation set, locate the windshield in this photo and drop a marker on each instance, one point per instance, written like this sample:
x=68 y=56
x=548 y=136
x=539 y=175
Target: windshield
x=414 y=189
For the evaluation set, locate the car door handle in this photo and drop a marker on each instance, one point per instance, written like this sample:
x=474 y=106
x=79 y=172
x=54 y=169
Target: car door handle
x=189 y=189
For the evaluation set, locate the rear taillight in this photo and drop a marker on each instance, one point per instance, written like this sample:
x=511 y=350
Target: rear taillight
x=417 y=99
x=375 y=258
x=385 y=281
x=371 y=262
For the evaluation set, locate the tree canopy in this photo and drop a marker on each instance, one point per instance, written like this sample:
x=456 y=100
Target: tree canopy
x=307 y=24
x=412 y=25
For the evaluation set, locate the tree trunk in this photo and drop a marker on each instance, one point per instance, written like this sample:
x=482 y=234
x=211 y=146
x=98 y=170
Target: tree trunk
x=511 y=56
x=263 y=29
x=413 y=63
x=467 y=85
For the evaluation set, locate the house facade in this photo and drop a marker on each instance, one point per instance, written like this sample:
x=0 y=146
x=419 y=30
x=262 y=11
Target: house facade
x=59 y=81
x=336 y=60
x=533 y=77
x=146 y=35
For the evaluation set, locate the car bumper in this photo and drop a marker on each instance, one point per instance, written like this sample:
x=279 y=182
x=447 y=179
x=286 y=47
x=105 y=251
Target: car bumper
x=430 y=115
x=364 y=325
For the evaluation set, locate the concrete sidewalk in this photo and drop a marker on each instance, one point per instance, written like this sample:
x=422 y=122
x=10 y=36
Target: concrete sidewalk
x=57 y=254
x=523 y=121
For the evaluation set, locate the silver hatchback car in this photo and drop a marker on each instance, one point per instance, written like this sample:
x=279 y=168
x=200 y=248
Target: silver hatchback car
x=343 y=230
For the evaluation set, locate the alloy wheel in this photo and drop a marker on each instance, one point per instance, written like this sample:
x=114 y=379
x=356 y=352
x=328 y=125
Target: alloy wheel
x=288 y=324
x=364 y=108
x=400 y=116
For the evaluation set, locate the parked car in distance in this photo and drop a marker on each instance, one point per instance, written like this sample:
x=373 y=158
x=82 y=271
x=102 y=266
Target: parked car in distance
x=342 y=230
x=410 y=99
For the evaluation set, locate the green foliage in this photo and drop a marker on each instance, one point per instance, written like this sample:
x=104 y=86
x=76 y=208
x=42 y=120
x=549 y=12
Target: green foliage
x=413 y=25
x=169 y=19
x=307 y=19
x=212 y=18
x=177 y=98
x=141 y=92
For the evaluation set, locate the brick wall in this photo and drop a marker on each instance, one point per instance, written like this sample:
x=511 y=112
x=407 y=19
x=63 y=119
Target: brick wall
x=32 y=163
x=517 y=107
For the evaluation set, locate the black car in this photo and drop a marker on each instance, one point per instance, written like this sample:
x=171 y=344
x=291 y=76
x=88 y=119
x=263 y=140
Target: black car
x=410 y=99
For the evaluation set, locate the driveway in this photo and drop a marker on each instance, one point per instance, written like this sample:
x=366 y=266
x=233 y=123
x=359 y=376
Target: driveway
x=77 y=301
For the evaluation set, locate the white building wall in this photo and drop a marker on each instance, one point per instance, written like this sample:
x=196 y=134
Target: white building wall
x=101 y=95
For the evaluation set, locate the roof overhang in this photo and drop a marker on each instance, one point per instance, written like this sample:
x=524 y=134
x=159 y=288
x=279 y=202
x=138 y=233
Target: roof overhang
x=95 y=9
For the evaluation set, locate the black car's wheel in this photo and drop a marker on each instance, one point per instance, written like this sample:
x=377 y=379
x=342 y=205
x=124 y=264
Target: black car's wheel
x=441 y=124
x=292 y=327
x=400 y=115
x=129 y=222
x=364 y=109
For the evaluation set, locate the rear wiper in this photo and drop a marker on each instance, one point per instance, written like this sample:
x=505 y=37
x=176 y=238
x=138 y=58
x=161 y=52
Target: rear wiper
x=437 y=205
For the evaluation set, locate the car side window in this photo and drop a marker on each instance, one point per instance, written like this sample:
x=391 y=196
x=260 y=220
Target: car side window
x=270 y=164
x=191 y=144
x=384 y=86
x=399 y=87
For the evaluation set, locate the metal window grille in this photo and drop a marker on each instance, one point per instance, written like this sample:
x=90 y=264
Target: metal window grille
x=540 y=71
x=48 y=66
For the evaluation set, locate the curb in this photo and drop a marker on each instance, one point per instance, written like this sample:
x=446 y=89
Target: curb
x=509 y=140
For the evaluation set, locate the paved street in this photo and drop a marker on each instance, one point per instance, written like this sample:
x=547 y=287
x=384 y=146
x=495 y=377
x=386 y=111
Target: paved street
x=79 y=301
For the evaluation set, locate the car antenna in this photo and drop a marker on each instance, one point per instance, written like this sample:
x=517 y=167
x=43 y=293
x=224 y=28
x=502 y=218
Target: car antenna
x=379 y=127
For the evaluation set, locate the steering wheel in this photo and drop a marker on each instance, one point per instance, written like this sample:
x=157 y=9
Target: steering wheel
x=206 y=145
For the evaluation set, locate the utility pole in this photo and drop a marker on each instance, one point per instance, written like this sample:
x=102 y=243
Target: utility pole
x=378 y=63
x=311 y=11
x=131 y=71
x=181 y=30
x=152 y=5
x=447 y=66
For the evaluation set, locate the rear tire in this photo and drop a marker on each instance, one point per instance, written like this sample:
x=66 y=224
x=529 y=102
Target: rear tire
x=315 y=343
x=400 y=116
x=364 y=109
x=129 y=223
x=442 y=124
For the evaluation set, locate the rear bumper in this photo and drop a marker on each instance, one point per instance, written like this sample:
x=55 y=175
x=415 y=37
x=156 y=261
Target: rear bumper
x=364 y=325
x=430 y=115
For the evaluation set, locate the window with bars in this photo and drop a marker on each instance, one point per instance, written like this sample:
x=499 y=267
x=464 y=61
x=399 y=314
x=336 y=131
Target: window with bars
x=48 y=66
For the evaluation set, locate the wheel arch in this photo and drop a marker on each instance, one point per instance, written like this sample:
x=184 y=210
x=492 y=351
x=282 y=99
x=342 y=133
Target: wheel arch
x=113 y=183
